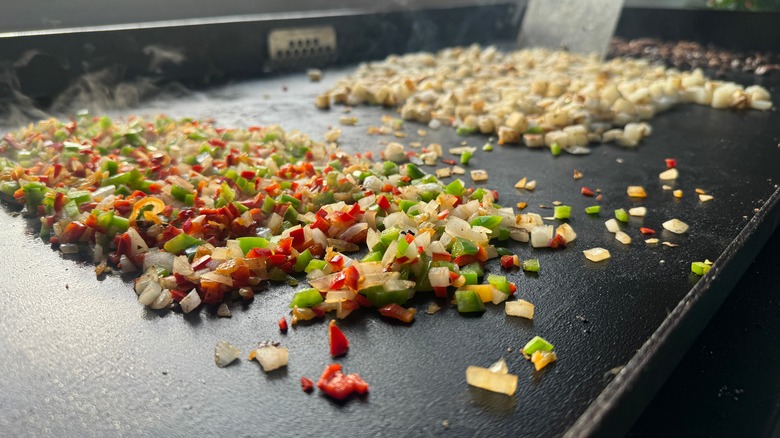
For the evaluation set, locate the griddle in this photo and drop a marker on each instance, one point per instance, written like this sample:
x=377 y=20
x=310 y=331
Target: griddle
x=83 y=358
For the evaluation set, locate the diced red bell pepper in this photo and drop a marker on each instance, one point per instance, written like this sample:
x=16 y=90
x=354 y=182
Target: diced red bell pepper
x=338 y=342
x=441 y=257
x=670 y=163
x=509 y=261
x=123 y=244
x=440 y=291
x=397 y=312
x=512 y=288
x=337 y=263
x=382 y=202
x=178 y=295
x=558 y=242
x=363 y=301
x=282 y=325
x=338 y=281
x=648 y=231
x=351 y=278
x=74 y=231
x=587 y=192
x=307 y=385
x=212 y=292
x=298 y=236
x=464 y=260
x=338 y=385
x=321 y=223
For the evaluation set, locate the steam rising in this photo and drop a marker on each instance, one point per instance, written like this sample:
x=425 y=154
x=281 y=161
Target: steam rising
x=104 y=89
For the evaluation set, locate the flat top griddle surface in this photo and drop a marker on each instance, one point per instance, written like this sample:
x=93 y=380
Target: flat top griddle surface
x=83 y=358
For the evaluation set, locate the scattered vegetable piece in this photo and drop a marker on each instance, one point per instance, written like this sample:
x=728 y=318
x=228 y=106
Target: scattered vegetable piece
x=678 y=193
x=520 y=308
x=586 y=191
x=623 y=238
x=494 y=381
x=282 y=324
x=225 y=354
x=397 y=312
x=597 y=254
x=537 y=343
x=612 y=225
x=307 y=385
x=621 y=215
x=647 y=231
x=706 y=198
x=669 y=174
x=432 y=308
x=670 y=163
x=593 y=209
x=271 y=357
x=541 y=359
x=531 y=265
x=562 y=212
x=636 y=192
x=336 y=339
x=699 y=268
x=338 y=385
x=637 y=211
x=521 y=184
x=479 y=175
x=652 y=241
x=676 y=226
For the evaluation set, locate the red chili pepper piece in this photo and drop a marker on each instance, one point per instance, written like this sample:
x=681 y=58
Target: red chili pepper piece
x=507 y=262
x=400 y=313
x=647 y=231
x=307 y=385
x=448 y=161
x=586 y=191
x=670 y=163
x=338 y=342
x=338 y=385
x=283 y=325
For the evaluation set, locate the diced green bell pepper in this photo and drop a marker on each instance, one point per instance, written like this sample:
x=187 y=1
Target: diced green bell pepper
x=499 y=282
x=468 y=301
x=315 y=264
x=531 y=265
x=248 y=243
x=486 y=221
x=181 y=242
x=379 y=296
x=537 y=344
x=463 y=247
x=306 y=298
x=302 y=261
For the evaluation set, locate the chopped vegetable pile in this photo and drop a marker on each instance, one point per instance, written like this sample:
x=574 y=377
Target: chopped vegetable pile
x=207 y=214
x=537 y=97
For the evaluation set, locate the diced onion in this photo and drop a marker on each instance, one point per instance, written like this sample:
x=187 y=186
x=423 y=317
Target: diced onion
x=225 y=354
x=623 y=238
x=637 y=211
x=159 y=259
x=439 y=276
x=163 y=300
x=496 y=382
x=271 y=357
x=541 y=236
x=676 y=226
x=669 y=174
x=636 y=192
x=190 y=302
x=217 y=278
x=521 y=308
x=596 y=254
x=612 y=225
x=150 y=293
x=566 y=232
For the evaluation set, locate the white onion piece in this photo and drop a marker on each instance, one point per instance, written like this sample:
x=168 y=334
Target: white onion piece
x=541 y=236
x=566 y=232
x=499 y=367
x=488 y=380
x=623 y=238
x=637 y=211
x=439 y=276
x=137 y=243
x=390 y=253
x=597 y=254
x=669 y=174
x=217 y=278
x=521 y=308
x=190 y=302
x=519 y=235
x=496 y=296
x=319 y=237
x=150 y=293
x=160 y=259
x=353 y=231
x=163 y=300
x=271 y=358
x=372 y=238
x=97 y=253
x=676 y=226
x=225 y=354
x=224 y=311
x=612 y=225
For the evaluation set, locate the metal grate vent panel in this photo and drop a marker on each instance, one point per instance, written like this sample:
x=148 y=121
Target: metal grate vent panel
x=302 y=46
